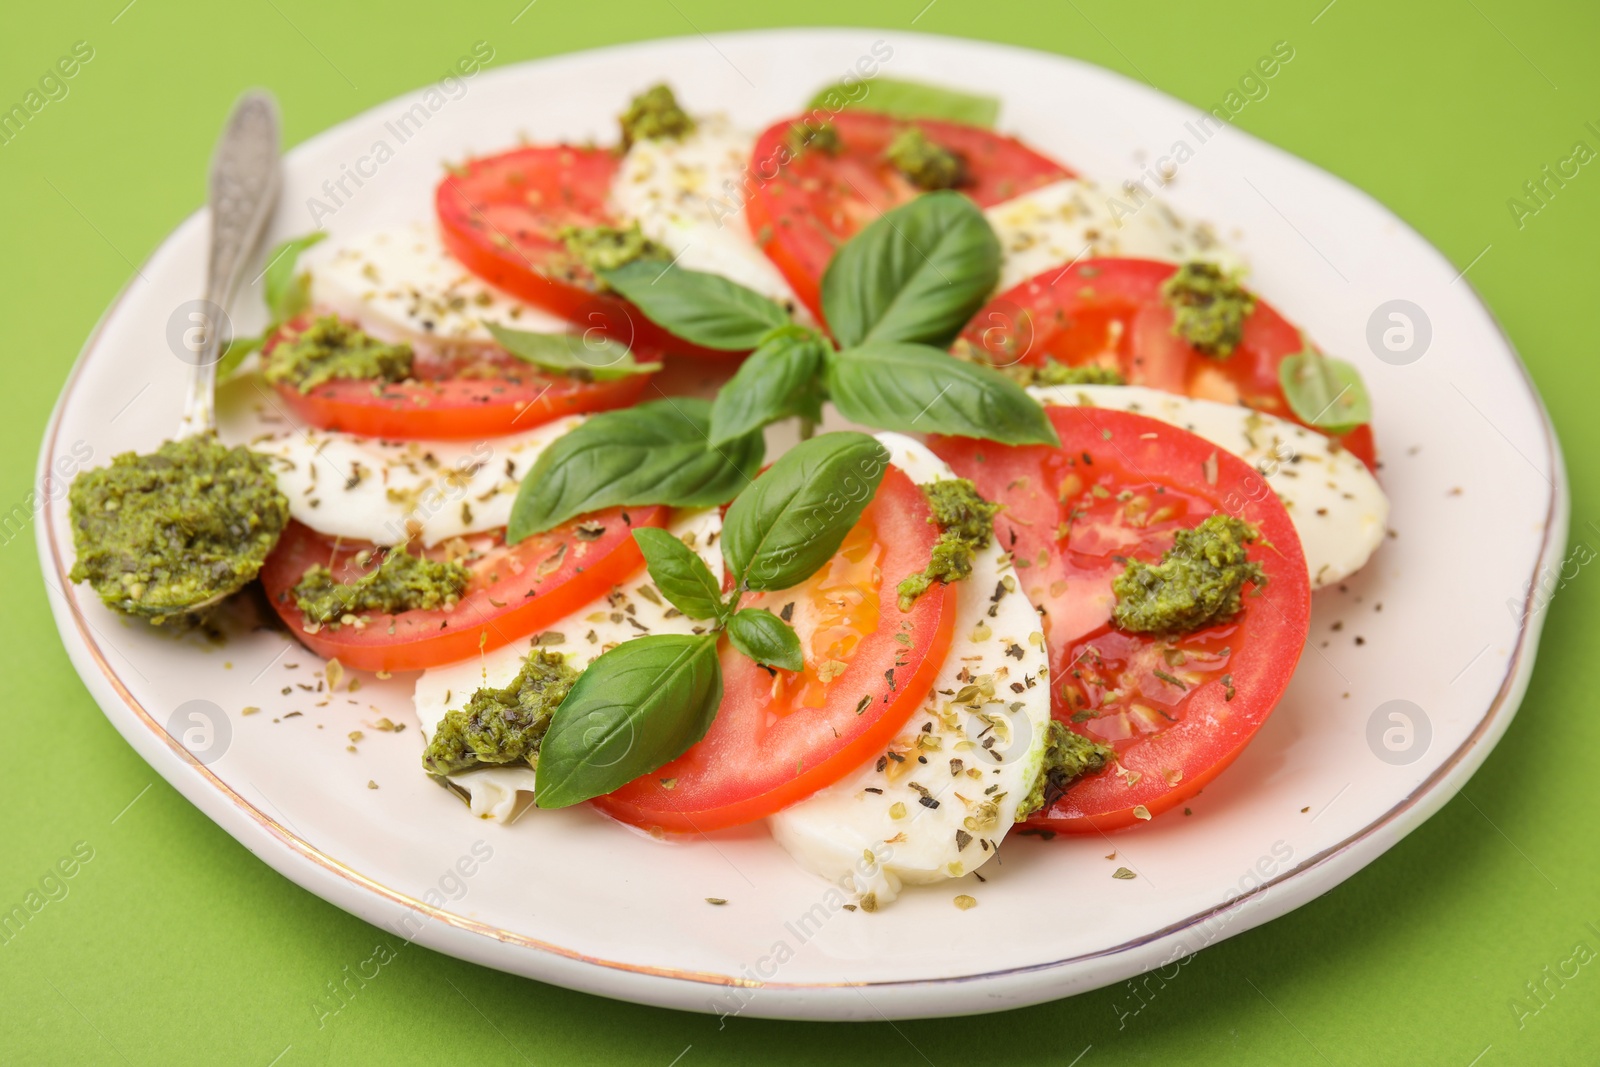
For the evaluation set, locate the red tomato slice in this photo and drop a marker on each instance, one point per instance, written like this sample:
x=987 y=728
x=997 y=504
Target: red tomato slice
x=1177 y=710
x=516 y=590
x=802 y=208
x=1110 y=312
x=476 y=393
x=779 y=735
x=502 y=216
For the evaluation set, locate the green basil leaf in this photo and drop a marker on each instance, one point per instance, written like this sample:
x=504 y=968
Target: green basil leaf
x=793 y=518
x=705 y=309
x=765 y=638
x=680 y=574
x=781 y=378
x=238 y=348
x=916 y=273
x=635 y=708
x=1324 y=392
x=652 y=453
x=589 y=357
x=908 y=100
x=288 y=293
x=917 y=389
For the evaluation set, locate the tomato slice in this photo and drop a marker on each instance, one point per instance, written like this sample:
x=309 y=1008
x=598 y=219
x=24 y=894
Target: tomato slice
x=516 y=590
x=502 y=216
x=803 y=207
x=1109 y=312
x=469 y=392
x=1176 y=710
x=779 y=736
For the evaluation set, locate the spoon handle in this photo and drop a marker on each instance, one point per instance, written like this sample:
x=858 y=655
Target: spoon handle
x=245 y=178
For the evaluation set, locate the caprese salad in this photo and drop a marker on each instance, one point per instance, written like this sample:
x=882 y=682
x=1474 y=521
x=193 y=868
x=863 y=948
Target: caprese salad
x=1055 y=570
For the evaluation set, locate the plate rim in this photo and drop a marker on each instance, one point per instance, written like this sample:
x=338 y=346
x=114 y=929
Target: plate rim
x=320 y=873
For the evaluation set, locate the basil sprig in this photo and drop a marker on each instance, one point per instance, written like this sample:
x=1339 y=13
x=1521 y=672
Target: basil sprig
x=1324 y=392
x=587 y=357
x=653 y=453
x=643 y=703
x=909 y=100
x=287 y=294
x=893 y=296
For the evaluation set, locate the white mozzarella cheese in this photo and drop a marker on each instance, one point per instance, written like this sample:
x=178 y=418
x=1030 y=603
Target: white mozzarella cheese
x=938 y=802
x=1073 y=219
x=401 y=285
x=581 y=637
x=688 y=195
x=1338 y=508
x=388 y=492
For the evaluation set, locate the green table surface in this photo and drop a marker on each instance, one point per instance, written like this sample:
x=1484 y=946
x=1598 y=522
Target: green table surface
x=173 y=944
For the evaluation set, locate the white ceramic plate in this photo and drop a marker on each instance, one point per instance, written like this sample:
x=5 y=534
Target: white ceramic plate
x=1479 y=508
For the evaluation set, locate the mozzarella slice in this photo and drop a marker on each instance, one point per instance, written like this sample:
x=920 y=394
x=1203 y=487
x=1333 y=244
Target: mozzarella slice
x=981 y=731
x=688 y=195
x=388 y=492
x=1073 y=219
x=625 y=613
x=1338 y=508
x=401 y=285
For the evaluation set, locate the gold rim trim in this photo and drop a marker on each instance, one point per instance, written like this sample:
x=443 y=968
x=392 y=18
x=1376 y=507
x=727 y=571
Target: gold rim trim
x=307 y=851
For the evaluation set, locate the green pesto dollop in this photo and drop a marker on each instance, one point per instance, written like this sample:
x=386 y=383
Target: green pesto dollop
x=401 y=582
x=1209 y=307
x=924 y=163
x=331 y=348
x=1067 y=757
x=1198 y=582
x=654 y=114
x=501 y=726
x=602 y=248
x=161 y=534
x=822 y=136
x=966 y=524
x=1053 y=373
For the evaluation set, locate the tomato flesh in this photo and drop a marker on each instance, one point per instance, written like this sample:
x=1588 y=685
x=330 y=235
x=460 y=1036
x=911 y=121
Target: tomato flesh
x=803 y=207
x=516 y=590
x=501 y=216
x=1176 y=709
x=779 y=736
x=470 y=392
x=1109 y=312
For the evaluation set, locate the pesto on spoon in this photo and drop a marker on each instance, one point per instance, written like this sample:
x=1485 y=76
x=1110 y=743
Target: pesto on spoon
x=173 y=532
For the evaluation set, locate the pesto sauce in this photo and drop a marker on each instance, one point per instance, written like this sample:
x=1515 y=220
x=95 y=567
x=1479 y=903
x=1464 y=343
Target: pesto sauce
x=1067 y=757
x=1053 y=373
x=1198 y=582
x=330 y=348
x=602 y=248
x=654 y=114
x=966 y=524
x=1209 y=307
x=923 y=163
x=500 y=726
x=158 y=534
x=822 y=136
x=402 y=582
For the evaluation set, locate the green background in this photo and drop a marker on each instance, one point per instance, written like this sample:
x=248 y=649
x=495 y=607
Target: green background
x=176 y=945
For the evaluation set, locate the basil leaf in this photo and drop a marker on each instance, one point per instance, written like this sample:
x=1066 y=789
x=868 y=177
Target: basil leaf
x=916 y=273
x=1324 y=392
x=652 y=453
x=909 y=100
x=765 y=638
x=287 y=293
x=917 y=389
x=594 y=358
x=680 y=574
x=238 y=348
x=705 y=309
x=781 y=378
x=635 y=708
x=793 y=518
